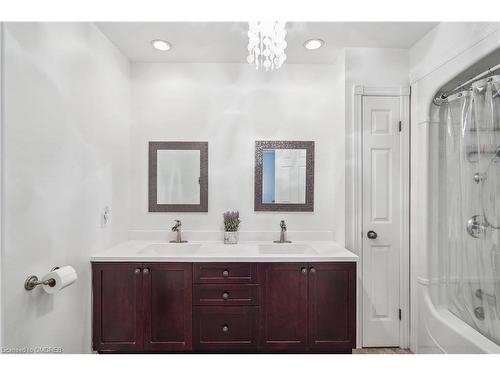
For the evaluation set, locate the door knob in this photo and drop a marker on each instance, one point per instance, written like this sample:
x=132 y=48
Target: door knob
x=225 y=296
x=225 y=273
x=303 y=270
x=137 y=270
x=313 y=270
x=371 y=235
x=225 y=328
x=146 y=270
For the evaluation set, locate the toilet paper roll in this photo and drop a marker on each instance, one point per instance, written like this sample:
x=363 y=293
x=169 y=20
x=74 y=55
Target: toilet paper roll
x=63 y=277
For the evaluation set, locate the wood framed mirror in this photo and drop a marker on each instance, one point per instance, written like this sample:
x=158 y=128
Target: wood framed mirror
x=284 y=176
x=178 y=176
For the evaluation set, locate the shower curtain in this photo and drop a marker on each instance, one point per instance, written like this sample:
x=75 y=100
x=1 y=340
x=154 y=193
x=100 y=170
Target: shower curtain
x=469 y=206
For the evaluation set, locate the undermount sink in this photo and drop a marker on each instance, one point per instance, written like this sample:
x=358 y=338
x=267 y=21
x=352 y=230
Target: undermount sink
x=171 y=248
x=286 y=248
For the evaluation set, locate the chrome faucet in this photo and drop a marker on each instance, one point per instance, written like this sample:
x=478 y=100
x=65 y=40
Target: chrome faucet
x=177 y=228
x=282 y=233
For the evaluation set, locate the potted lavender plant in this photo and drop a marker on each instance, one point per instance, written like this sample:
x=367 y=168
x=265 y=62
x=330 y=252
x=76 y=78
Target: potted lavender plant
x=231 y=225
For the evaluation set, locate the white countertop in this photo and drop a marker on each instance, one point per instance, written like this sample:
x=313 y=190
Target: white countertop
x=157 y=251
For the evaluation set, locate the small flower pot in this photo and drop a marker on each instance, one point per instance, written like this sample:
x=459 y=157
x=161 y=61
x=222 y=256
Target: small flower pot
x=230 y=238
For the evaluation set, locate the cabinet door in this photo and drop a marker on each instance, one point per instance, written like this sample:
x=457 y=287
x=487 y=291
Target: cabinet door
x=167 y=306
x=283 y=306
x=332 y=307
x=117 y=307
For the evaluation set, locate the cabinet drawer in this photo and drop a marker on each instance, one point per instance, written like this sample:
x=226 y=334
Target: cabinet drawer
x=226 y=295
x=229 y=328
x=210 y=273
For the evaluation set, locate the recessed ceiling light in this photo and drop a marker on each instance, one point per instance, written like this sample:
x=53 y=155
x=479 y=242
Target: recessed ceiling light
x=313 y=44
x=161 y=45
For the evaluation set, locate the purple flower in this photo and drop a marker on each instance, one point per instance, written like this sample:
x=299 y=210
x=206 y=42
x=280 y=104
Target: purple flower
x=231 y=221
x=231 y=215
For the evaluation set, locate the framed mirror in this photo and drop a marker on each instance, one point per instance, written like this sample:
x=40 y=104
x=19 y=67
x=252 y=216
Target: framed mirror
x=178 y=176
x=284 y=176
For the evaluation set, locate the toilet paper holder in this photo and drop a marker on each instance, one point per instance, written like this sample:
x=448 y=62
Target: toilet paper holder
x=32 y=281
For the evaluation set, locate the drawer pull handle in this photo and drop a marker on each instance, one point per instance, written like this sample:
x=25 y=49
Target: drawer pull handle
x=225 y=328
x=225 y=296
x=225 y=273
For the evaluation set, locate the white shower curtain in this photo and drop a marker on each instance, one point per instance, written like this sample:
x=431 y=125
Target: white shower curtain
x=470 y=191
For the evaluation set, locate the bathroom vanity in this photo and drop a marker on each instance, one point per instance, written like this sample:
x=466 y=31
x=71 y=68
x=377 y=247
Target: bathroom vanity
x=210 y=297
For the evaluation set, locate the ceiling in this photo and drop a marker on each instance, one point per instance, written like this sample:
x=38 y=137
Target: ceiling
x=227 y=41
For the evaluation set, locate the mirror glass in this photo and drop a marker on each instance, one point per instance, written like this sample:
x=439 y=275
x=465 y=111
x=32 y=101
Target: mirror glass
x=284 y=176
x=178 y=177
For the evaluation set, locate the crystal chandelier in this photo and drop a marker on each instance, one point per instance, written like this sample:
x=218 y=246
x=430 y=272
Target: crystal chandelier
x=266 y=44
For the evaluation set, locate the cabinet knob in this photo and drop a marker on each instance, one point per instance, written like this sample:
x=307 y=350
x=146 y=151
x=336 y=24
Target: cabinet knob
x=303 y=270
x=137 y=270
x=225 y=273
x=372 y=235
x=225 y=296
x=313 y=270
x=146 y=270
x=225 y=328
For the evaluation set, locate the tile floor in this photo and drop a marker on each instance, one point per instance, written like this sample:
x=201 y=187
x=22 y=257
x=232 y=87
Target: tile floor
x=381 y=351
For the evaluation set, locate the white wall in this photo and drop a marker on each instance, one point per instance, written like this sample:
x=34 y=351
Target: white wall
x=369 y=67
x=68 y=103
x=66 y=139
x=444 y=42
x=231 y=106
x=379 y=67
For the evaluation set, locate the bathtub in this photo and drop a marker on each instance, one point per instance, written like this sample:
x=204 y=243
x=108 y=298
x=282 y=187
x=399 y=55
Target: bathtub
x=440 y=331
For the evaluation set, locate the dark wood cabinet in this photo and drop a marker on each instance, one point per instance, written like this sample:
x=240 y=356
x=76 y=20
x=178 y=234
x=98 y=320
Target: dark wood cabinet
x=167 y=306
x=284 y=306
x=117 y=307
x=332 y=307
x=308 y=307
x=142 y=307
x=224 y=307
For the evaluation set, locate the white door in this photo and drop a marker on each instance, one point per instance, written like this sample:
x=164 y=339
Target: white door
x=381 y=220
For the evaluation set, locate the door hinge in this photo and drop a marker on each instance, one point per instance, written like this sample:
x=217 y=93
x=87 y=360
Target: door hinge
x=361 y=234
x=400 y=126
x=399 y=314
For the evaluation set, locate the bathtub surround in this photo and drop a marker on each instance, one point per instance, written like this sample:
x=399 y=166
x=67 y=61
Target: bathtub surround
x=66 y=129
x=466 y=258
x=437 y=58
